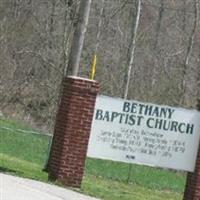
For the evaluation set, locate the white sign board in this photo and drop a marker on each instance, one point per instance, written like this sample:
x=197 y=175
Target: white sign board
x=144 y=133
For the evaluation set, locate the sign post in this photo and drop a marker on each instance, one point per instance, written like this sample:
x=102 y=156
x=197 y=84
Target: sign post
x=192 y=189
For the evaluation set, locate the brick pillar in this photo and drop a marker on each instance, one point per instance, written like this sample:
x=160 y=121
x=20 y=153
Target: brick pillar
x=72 y=131
x=192 y=189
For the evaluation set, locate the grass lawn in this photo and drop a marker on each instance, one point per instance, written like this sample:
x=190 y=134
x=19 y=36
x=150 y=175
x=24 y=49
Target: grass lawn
x=24 y=154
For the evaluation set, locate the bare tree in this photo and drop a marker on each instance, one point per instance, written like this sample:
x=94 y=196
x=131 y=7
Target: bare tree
x=68 y=29
x=184 y=15
x=158 y=26
x=132 y=49
x=35 y=41
x=189 y=51
x=131 y=60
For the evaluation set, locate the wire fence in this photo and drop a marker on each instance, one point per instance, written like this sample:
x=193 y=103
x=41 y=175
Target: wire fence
x=32 y=148
x=21 y=142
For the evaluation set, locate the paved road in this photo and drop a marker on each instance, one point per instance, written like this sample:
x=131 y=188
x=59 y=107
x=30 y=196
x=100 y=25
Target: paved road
x=14 y=188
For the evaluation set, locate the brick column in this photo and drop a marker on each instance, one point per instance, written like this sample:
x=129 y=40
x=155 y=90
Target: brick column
x=72 y=131
x=192 y=189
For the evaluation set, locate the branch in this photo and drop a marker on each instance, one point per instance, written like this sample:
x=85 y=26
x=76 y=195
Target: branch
x=119 y=9
x=38 y=55
x=189 y=51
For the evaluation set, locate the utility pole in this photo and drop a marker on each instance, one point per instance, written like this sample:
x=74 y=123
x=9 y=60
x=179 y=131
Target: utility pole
x=79 y=37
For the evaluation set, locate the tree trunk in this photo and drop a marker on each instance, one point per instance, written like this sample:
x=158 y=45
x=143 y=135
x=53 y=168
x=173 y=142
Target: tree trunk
x=189 y=52
x=132 y=49
x=184 y=15
x=158 y=27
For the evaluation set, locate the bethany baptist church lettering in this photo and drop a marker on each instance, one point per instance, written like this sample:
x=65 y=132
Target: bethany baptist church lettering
x=144 y=133
x=152 y=116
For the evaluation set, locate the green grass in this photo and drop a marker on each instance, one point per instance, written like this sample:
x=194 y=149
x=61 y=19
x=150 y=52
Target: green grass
x=22 y=168
x=24 y=146
x=24 y=154
x=148 y=177
x=32 y=148
x=114 y=190
x=14 y=124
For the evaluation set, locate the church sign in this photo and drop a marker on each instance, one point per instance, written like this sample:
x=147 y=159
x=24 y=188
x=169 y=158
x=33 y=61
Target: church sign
x=144 y=133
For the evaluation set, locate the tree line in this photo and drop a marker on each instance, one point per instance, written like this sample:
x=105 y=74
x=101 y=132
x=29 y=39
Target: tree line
x=153 y=45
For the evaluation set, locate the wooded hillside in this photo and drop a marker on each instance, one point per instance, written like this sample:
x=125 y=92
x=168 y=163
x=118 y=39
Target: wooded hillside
x=36 y=35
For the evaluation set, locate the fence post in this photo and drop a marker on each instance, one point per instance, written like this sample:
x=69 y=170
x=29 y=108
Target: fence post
x=72 y=130
x=192 y=189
